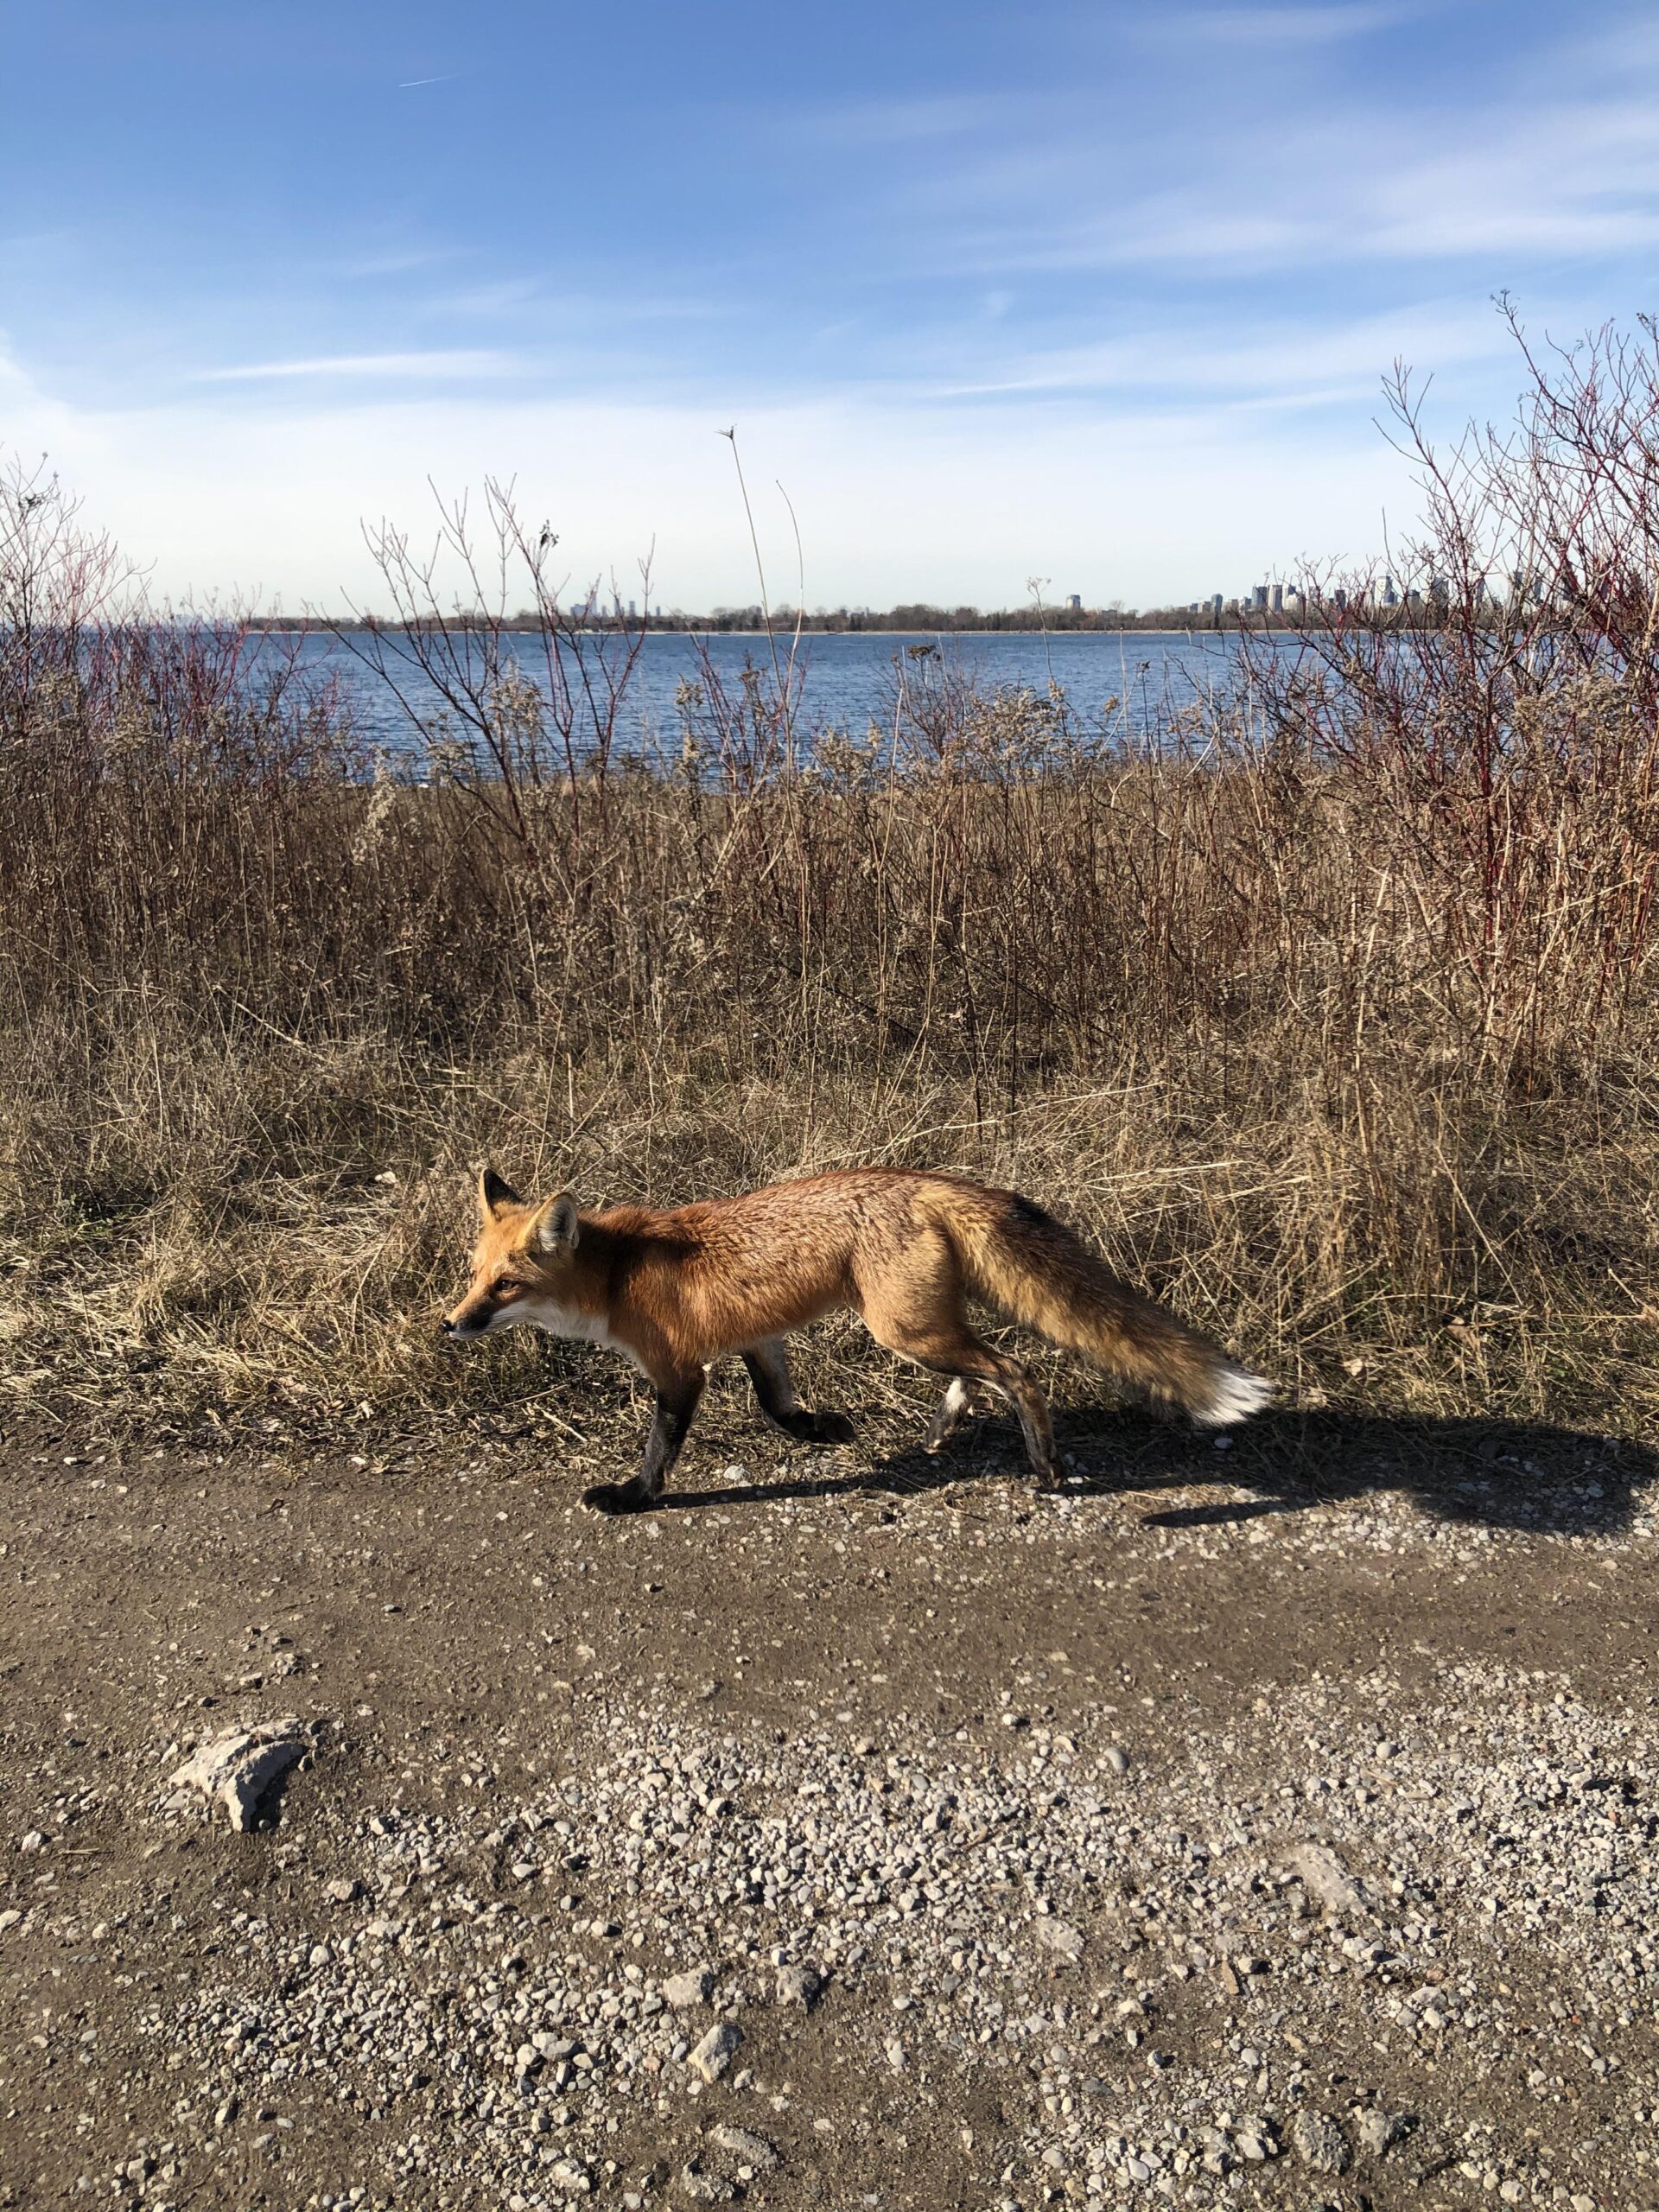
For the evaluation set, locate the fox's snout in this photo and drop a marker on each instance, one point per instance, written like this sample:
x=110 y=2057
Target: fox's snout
x=463 y=1323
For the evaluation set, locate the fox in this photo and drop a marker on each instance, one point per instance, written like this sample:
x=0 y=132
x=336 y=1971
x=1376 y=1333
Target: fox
x=906 y=1250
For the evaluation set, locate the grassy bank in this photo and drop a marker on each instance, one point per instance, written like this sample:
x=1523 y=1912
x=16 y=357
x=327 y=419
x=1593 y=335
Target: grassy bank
x=1334 y=1022
x=257 y=1036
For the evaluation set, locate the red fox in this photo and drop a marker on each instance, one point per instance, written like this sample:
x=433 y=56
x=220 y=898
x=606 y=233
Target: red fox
x=905 y=1251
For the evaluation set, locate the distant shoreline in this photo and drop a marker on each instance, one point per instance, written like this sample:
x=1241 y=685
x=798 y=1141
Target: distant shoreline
x=1227 y=628
x=689 y=630
x=1163 y=622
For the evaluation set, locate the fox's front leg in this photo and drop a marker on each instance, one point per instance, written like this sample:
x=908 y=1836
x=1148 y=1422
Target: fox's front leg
x=768 y=1365
x=677 y=1406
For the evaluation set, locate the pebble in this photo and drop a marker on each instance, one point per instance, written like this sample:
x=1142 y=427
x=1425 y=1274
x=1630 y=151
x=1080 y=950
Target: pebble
x=1318 y=2141
x=1325 y=1878
x=713 y=2054
x=1061 y=1937
x=753 y=2150
x=705 y=2188
x=799 y=1984
x=1378 y=2132
x=691 y=1988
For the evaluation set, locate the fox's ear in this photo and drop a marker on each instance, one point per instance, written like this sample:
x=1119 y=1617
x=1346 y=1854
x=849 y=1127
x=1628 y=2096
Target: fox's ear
x=494 y=1194
x=555 y=1228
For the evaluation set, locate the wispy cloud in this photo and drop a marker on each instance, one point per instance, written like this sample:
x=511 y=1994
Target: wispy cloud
x=1283 y=363
x=1287 y=26
x=402 y=261
x=391 y=366
x=1574 y=175
x=919 y=120
x=413 y=84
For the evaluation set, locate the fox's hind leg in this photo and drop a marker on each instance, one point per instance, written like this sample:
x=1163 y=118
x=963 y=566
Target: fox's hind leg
x=953 y=1409
x=984 y=1363
x=968 y=1359
x=768 y=1365
x=677 y=1406
x=922 y=1319
x=960 y=1400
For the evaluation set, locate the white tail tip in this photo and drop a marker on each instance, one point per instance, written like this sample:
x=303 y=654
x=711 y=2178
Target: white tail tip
x=1237 y=1394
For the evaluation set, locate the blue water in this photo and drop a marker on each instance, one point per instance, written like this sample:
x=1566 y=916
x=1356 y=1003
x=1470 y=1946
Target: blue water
x=1118 y=684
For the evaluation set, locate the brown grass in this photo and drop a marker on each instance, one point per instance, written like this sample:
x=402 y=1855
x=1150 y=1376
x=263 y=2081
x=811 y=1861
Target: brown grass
x=1334 y=1019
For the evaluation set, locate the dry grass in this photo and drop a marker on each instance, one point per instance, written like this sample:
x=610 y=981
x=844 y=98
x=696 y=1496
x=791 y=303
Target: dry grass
x=235 y=1161
x=1335 y=1023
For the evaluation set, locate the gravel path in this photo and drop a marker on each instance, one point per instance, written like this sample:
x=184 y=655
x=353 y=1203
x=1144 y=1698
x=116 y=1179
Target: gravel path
x=1227 y=1838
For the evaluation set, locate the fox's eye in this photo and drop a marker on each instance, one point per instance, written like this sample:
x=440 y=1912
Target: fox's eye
x=501 y=1285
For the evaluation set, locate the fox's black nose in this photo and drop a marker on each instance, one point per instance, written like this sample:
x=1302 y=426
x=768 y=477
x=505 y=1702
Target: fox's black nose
x=447 y=1325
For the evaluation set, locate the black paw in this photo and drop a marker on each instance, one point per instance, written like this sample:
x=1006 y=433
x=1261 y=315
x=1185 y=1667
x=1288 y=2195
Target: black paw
x=615 y=1497
x=832 y=1428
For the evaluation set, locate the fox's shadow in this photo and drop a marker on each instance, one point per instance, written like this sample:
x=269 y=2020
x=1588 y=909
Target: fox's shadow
x=1493 y=1473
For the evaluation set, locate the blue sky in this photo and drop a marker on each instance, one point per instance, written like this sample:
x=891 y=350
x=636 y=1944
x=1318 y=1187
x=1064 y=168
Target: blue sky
x=1102 y=294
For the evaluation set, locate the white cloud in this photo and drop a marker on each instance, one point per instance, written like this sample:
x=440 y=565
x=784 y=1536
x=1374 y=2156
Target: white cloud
x=1291 y=26
x=915 y=121
x=1285 y=361
x=390 y=366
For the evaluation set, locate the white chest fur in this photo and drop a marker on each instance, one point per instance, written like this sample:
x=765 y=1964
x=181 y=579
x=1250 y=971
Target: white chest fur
x=568 y=1321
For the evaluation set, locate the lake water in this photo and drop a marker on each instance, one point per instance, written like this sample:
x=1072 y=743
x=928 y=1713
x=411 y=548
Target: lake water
x=1127 y=682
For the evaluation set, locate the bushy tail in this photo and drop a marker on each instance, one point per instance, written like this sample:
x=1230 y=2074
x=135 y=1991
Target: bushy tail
x=1038 y=1272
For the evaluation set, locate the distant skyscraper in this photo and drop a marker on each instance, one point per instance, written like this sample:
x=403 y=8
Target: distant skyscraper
x=1074 y=600
x=1215 y=602
x=1390 y=596
x=1259 y=596
x=1278 y=598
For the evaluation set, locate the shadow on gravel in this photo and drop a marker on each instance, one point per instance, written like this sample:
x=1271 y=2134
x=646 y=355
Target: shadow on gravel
x=1493 y=1473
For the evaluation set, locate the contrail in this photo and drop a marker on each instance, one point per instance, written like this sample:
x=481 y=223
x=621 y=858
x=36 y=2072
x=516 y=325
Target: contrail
x=410 y=83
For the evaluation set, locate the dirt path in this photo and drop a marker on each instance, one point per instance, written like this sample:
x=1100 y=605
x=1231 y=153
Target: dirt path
x=1030 y=1784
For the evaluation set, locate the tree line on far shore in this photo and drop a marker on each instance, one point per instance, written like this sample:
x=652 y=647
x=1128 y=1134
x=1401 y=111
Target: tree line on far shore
x=919 y=617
